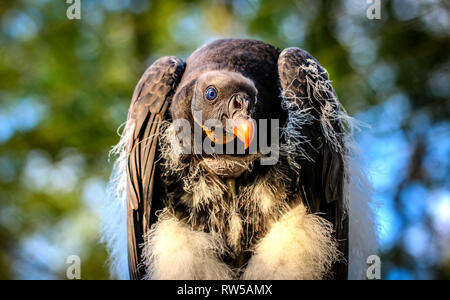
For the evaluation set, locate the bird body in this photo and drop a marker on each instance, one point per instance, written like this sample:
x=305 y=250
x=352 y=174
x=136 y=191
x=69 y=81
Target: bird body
x=194 y=212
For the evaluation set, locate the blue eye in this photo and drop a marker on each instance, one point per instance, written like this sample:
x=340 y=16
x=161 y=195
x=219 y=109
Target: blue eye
x=210 y=93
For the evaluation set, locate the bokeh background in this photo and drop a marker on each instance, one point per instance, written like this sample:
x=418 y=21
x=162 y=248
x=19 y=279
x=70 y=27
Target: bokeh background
x=65 y=87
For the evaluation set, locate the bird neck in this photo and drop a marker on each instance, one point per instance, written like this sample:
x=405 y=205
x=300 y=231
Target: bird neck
x=231 y=187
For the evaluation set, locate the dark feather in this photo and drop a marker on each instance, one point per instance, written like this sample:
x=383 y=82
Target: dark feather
x=148 y=108
x=322 y=179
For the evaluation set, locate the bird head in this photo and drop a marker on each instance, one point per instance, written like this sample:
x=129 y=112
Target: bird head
x=222 y=104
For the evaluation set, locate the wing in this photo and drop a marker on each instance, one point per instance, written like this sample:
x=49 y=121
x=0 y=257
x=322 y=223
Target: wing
x=148 y=107
x=314 y=111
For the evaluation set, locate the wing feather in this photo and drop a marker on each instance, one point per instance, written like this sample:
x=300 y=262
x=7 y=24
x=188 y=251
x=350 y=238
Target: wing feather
x=322 y=174
x=148 y=107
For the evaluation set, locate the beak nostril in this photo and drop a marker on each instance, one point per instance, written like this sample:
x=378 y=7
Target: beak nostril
x=237 y=104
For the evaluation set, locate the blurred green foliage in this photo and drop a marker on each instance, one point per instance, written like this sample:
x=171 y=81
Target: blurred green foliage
x=65 y=87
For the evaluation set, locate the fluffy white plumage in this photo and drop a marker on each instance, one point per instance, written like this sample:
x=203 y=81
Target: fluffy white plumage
x=114 y=226
x=175 y=251
x=363 y=237
x=298 y=246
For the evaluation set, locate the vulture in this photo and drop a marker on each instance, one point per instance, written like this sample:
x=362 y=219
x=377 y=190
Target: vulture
x=238 y=163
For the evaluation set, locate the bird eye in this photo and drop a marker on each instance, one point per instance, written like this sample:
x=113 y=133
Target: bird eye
x=210 y=93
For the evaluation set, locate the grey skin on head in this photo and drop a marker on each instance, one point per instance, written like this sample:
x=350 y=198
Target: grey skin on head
x=234 y=81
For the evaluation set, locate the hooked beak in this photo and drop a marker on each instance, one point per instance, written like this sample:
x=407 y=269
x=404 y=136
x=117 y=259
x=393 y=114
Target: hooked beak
x=242 y=128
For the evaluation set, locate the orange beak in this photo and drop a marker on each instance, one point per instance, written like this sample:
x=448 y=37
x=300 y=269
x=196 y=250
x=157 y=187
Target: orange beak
x=244 y=129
